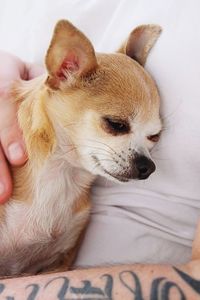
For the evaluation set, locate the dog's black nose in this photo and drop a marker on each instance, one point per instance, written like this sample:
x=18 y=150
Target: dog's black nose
x=144 y=166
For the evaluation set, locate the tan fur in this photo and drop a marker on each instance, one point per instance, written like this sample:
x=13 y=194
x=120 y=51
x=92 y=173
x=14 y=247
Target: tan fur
x=82 y=203
x=61 y=46
x=22 y=189
x=140 y=42
x=33 y=118
x=61 y=115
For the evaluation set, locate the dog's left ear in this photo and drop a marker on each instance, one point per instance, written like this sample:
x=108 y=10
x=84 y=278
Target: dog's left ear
x=70 y=55
x=140 y=42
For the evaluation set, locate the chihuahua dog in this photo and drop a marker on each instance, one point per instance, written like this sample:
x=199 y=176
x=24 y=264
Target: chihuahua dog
x=91 y=114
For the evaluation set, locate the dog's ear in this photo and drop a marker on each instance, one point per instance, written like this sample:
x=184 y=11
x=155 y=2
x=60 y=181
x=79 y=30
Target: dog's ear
x=70 y=55
x=140 y=42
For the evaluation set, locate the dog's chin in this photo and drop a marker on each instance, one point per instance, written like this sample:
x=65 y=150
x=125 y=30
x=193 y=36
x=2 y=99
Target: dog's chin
x=99 y=169
x=115 y=177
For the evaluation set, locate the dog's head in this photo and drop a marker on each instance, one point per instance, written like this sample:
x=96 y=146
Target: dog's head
x=107 y=104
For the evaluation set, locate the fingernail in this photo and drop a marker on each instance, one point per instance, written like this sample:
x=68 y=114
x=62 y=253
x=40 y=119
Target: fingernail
x=2 y=188
x=15 y=151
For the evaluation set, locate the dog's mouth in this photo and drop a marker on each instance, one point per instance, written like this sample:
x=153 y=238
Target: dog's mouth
x=115 y=176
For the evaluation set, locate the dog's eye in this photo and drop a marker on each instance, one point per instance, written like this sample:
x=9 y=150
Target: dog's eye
x=116 y=126
x=154 y=138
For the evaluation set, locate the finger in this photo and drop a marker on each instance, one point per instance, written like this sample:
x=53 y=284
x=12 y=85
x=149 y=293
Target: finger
x=10 y=133
x=196 y=244
x=34 y=70
x=13 y=144
x=5 y=179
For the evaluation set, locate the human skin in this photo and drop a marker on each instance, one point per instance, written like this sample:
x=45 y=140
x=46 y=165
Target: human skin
x=138 y=282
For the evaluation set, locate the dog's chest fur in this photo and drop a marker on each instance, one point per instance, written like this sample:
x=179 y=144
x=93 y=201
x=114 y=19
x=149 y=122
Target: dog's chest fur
x=34 y=235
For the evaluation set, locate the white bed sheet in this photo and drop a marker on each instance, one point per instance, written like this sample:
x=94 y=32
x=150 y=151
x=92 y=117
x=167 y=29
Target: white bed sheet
x=151 y=221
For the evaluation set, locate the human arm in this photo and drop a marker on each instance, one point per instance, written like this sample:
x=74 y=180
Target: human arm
x=117 y=282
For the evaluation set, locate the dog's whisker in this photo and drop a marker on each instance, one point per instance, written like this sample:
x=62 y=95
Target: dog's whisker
x=92 y=147
x=94 y=153
x=106 y=159
x=157 y=150
x=103 y=144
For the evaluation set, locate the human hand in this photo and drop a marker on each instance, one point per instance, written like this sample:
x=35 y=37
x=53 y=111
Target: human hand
x=12 y=147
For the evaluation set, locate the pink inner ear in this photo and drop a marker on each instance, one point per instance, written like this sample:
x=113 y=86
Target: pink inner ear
x=69 y=65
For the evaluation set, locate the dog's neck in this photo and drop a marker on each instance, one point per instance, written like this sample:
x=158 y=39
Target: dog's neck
x=48 y=173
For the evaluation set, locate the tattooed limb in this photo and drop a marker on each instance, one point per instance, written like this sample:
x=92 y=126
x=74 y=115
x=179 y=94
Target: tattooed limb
x=140 y=282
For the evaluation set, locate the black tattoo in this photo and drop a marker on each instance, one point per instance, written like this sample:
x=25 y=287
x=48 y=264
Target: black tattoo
x=109 y=286
x=34 y=291
x=165 y=293
x=64 y=288
x=2 y=287
x=135 y=286
x=86 y=292
x=155 y=286
x=193 y=283
x=87 y=289
x=160 y=287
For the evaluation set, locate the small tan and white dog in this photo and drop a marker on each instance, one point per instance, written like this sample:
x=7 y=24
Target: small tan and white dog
x=91 y=114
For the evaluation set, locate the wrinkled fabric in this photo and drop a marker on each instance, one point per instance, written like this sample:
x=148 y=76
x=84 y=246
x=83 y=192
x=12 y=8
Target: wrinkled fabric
x=140 y=221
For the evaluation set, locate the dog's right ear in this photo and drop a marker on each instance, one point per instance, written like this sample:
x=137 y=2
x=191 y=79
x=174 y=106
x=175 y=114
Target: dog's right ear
x=70 y=55
x=140 y=42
